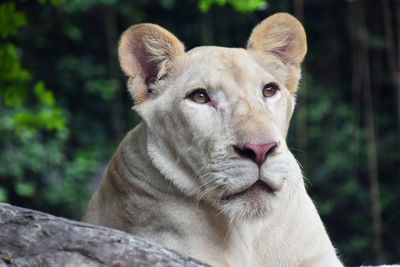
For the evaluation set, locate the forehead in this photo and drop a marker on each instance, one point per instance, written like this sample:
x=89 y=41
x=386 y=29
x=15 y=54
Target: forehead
x=221 y=55
x=215 y=66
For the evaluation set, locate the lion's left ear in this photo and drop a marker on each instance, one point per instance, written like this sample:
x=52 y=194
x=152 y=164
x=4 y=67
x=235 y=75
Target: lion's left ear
x=281 y=35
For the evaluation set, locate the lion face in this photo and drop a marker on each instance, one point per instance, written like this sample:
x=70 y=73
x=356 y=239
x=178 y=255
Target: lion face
x=217 y=118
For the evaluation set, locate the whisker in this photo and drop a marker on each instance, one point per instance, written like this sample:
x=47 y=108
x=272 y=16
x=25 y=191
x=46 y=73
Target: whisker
x=200 y=196
x=307 y=182
x=219 y=196
x=296 y=149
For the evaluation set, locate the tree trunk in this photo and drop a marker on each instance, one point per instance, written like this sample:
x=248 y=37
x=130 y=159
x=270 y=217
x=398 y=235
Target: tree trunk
x=356 y=87
x=31 y=238
x=372 y=151
x=393 y=56
x=110 y=24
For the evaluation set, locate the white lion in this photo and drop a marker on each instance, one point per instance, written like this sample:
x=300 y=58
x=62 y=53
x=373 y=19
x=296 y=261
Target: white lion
x=208 y=172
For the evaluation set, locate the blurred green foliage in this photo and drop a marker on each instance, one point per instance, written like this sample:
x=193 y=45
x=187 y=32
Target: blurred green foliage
x=10 y=19
x=34 y=132
x=239 y=5
x=64 y=106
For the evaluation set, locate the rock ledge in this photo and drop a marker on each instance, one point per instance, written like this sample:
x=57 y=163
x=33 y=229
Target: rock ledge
x=32 y=238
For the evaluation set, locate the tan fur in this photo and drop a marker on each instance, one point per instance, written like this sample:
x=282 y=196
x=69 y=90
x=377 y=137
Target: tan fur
x=283 y=37
x=174 y=177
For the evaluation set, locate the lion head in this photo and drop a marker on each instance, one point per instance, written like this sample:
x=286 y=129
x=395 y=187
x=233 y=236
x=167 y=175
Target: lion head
x=217 y=118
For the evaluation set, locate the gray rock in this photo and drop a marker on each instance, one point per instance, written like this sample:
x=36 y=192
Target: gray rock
x=32 y=238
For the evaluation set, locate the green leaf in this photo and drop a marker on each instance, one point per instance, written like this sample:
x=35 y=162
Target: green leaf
x=79 y=5
x=53 y=2
x=44 y=96
x=243 y=6
x=10 y=67
x=246 y=6
x=3 y=195
x=13 y=95
x=106 y=88
x=73 y=32
x=24 y=189
x=168 y=4
x=49 y=119
x=204 y=5
x=10 y=19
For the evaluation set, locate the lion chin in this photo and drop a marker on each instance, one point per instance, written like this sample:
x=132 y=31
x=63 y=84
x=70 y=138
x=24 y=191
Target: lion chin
x=251 y=203
x=207 y=172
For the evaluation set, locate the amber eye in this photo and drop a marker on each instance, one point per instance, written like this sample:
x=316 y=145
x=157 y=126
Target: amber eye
x=270 y=89
x=199 y=96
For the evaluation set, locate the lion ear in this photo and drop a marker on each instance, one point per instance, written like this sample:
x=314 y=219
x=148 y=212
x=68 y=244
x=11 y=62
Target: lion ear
x=146 y=52
x=282 y=36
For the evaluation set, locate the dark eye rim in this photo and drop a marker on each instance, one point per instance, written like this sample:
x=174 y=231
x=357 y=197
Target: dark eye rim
x=274 y=85
x=192 y=93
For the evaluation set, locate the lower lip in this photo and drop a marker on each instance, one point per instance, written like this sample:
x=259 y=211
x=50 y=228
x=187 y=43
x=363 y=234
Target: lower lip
x=253 y=192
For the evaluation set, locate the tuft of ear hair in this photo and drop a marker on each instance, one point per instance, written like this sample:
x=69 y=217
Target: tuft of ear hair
x=146 y=52
x=281 y=35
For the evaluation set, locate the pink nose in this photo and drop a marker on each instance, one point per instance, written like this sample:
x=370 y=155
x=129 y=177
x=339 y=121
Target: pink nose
x=257 y=152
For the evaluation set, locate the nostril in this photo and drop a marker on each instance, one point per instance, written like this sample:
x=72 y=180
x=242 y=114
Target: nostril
x=256 y=152
x=245 y=153
x=270 y=148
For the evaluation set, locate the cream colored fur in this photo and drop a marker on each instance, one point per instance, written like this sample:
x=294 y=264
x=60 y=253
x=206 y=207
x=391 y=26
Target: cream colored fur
x=171 y=176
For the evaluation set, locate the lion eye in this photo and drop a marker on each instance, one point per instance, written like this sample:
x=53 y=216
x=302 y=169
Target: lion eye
x=270 y=90
x=199 y=96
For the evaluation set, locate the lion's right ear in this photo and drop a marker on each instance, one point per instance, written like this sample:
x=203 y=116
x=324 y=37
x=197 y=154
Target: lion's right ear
x=146 y=52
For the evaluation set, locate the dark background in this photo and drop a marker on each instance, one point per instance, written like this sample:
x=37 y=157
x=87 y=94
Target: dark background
x=64 y=106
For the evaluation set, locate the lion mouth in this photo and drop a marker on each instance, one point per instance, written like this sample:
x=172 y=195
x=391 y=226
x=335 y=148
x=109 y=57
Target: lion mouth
x=252 y=191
